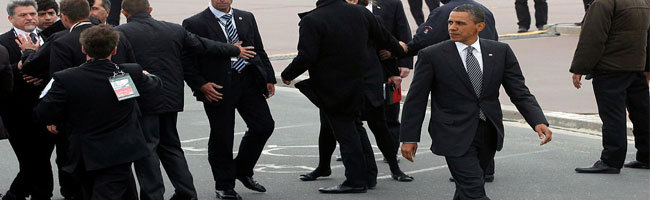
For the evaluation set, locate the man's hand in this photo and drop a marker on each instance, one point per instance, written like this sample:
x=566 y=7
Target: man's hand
x=385 y=54
x=286 y=82
x=32 y=80
x=544 y=133
x=404 y=72
x=20 y=65
x=24 y=42
x=245 y=52
x=647 y=77
x=395 y=80
x=210 y=91
x=404 y=46
x=409 y=150
x=271 y=88
x=52 y=129
x=577 y=78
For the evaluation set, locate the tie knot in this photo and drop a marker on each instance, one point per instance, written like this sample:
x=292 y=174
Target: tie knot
x=469 y=49
x=227 y=17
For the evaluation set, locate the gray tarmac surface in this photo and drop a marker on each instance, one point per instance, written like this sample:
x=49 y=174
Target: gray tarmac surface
x=524 y=170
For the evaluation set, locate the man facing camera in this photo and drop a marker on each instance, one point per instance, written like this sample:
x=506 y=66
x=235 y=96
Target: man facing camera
x=97 y=102
x=463 y=76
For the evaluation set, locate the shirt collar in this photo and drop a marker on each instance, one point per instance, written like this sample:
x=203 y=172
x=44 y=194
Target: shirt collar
x=22 y=32
x=461 y=46
x=78 y=24
x=218 y=14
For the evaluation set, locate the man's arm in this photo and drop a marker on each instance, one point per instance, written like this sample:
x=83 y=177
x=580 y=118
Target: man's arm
x=432 y=31
x=415 y=106
x=6 y=75
x=380 y=35
x=50 y=110
x=514 y=84
x=308 y=49
x=259 y=49
x=594 y=34
x=202 y=46
x=403 y=34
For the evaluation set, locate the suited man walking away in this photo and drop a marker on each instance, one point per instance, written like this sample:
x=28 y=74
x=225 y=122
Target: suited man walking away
x=614 y=48
x=105 y=134
x=416 y=9
x=463 y=76
x=523 y=14
x=228 y=84
x=6 y=86
x=333 y=47
x=158 y=47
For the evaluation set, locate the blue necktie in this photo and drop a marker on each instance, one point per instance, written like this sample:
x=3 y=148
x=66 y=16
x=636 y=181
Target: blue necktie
x=233 y=37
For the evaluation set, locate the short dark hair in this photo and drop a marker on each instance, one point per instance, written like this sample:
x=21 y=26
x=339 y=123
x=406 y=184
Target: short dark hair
x=75 y=9
x=135 y=6
x=105 y=3
x=476 y=13
x=44 y=5
x=99 y=41
x=11 y=6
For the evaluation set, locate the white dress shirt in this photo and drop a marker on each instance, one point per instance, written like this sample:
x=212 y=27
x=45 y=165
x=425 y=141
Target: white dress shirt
x=218 y=14
x=369 y=6
x=21 y=32
x=477 y=53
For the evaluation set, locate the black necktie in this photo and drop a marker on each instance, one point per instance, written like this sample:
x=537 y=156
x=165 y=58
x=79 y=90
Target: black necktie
x=33 y=36
x=475 y=74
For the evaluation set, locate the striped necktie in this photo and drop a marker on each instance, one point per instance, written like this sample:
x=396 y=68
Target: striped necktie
x=475 y=75
x=233 y=37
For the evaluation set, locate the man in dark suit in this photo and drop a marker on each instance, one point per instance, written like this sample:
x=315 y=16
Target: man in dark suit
x=434 y=30
x=31 y=144
x=104 y=132
x=158 y=47
x=416 y=9
x=523 y=14
x=48 y=14
x=463 y=76
x=66 y=50
x=338 y=74
x=6 y=75
x=226 y=84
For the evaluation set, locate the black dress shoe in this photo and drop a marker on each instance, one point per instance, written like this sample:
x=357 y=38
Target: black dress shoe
x=522 y=30
x=599 y=168
x=637 y=165
x=250 y=183
x=487 y=178
x=227 y=194
x=401 y=177
x=339 y=189
x=315 y=174
x=177 y=196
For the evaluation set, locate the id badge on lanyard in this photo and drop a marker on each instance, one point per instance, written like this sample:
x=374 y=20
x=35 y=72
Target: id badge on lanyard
x=123 y=85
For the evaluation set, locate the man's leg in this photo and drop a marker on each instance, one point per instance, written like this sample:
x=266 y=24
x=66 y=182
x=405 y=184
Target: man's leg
x=610 y=91
x=326 y=147
x=345 y=132
x=220 y=144
x=66 y=181
x=523 y=14
x=114 y=15
x=637 y=106
x=147 y=169
x=416 y=10
x=172 y=157
x=113 y=183
x=432 y=4
x=392 y=121
x=541 y=13
x=466 y=169
x=369 y=155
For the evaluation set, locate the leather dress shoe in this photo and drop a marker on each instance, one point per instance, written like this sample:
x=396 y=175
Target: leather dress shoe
x=402 y=177
x=522 y=30
x=487 y=178
x=637 y=165
x=250 y=183
x=599 y=168
x=315 y=174
x=339 y=189
x=177 y=196
x=227 y=194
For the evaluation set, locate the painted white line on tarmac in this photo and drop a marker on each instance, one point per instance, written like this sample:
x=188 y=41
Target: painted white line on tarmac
x=242 y=133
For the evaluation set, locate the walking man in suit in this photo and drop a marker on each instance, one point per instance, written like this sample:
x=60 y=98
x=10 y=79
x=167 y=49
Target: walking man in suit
x=523 y=14
x=463 y=76
x=338 y=77
x=31 y=143
x=228 y=84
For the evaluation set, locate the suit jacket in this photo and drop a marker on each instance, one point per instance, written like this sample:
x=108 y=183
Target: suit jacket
x=334 y=48
x=454 y=104
x=392 y=17
x=52 y=29
x=217 y=69
x=434 y=30
x=37 y=63
x=66 y=51
x=103 y=131
x=6 y=75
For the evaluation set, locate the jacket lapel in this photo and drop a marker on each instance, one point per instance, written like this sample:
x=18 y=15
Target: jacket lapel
x=12 y=38
x=488 y=65
x=457 y=66
x=240 y=22
x=215 y=26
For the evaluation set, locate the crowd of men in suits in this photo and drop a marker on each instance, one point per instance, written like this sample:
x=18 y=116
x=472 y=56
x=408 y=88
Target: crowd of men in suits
x=108 y=97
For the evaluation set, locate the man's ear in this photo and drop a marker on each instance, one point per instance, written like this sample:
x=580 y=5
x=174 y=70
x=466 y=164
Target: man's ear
x=480 y=26
x=83 y=49
x=125 y=13
x=114 y=51
x=150 y=9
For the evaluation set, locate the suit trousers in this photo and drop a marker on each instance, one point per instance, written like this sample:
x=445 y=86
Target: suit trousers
x=523 y=14
x=614 y=93
x=114 y=182
x=66 y=181
x=33 y=147
x=114 y=15
x=245 y=97
x=172 y=157
x=356 y=151
x=416 y=9
x=467 y=169
x=392 y=120
x=147 y=169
